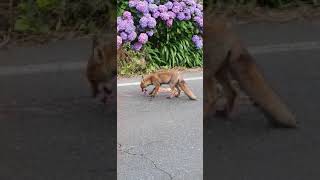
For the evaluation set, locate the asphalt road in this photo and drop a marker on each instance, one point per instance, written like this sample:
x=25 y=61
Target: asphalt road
x=51 y=129
x=160 y=138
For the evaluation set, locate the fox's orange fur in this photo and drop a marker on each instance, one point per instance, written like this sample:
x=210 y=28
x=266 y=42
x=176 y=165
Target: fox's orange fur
x=102 y=66
x=227 y=58
x=172 y=78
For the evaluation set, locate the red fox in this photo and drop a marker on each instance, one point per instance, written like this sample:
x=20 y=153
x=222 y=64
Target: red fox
x=226 y=58
x=172 y=77
x=102 y=66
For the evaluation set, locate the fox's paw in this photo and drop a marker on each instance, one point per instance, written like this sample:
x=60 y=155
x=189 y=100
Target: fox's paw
x=152 y=95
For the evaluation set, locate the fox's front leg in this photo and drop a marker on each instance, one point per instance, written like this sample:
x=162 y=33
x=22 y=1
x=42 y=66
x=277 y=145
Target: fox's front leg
x=174 y=90
x=211 y=96
x=155 y=90
x=178 y=91
x=152 y=91
x=94 y=88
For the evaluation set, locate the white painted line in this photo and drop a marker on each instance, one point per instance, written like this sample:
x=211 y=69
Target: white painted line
x=128 y=84
x=76 y=65
x=285 y=47
x=137 y=83
x=41 y=68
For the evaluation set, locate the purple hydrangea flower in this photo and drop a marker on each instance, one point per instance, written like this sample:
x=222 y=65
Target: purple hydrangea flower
x=183 y=5
x=147 y=15
x=189 y=2
x=187 y=11
x=153 y=8
x=156 y=14
x=181 y=16
x=198 y=12
x=143 y=22
x=132 y=36
x=133 y=3
x=123 y=36
x=130 y=29
x=164 y=16
x=143 y=38
x=150 y=1
x=198 y=20
x=169 y=5
x=150 y=33
x=200 y=7
x=176 y=3
x=163 y=8
x=176 y=9
x=122 y=25
x=127 y=15
x=152 y=22
x=197 y=40
x=137 y=46
x=171 y=14
x=142 y=6
x=187 y=16
x=192 y=9
x=169 y=22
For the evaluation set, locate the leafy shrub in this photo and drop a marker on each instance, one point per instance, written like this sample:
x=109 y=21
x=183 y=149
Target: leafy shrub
x=60 y=15
x=168 y=31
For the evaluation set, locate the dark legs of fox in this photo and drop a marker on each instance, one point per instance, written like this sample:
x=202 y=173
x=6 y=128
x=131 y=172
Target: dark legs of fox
x=106 y=94
x=228 y=92
x=94 y=88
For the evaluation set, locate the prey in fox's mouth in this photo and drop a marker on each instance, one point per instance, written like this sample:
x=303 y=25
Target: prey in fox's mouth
x=144 y=90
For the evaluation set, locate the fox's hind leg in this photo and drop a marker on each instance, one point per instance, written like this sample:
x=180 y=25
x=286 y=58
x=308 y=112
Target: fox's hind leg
x=155 y=90
x=174 y=90
x=228 y=92
x=178 y=91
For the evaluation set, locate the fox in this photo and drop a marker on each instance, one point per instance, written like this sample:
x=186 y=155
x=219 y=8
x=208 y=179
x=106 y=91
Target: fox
x=172 y=78
x=226 y=60
x=101 y=70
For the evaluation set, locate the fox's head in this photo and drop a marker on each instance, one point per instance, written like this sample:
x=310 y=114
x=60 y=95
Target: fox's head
x=98 y=50
x=104 y=52
x=144 y=84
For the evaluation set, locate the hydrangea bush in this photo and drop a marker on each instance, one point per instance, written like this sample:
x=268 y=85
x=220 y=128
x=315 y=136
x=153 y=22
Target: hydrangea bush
x=170 y=31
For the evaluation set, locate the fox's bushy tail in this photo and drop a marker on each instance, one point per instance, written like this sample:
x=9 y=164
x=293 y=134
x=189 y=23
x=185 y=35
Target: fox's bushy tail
x=183 y=85
x=254 y=84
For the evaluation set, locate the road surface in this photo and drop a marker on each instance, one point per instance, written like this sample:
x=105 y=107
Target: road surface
x=160 y=138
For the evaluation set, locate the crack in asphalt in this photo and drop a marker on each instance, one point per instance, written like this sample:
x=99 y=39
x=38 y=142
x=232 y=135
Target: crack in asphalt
x=143 y=156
